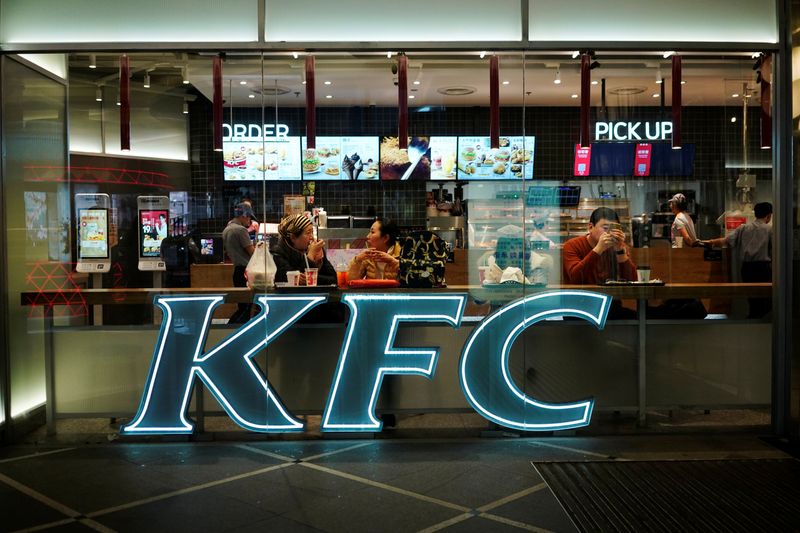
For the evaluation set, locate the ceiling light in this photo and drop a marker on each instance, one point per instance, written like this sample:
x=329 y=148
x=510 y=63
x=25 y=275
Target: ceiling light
x=185 y=108
x=506 y=82
x=98 y=95
x=295 y=55
x=417 y=82
x=483 y=54
x=251 y=96
x=146 y=83
x=574 y=96
x=575 y=54
x=304 y=82
x=327 y=82
x=328 y=96
x=242 y=82
x=411 y=96
x=557 y=79
x=683 y=82
x=667 y=54
x=595 y=82
x=92 y=61
x=733 y=119
x=656 y=95
x=748 y=95
x=735 y=95
x=185 y=74
x=118 y=102
x=659 y=76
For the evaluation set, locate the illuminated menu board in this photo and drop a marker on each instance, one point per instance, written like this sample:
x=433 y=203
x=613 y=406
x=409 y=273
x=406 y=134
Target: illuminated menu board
x=341 y=158
x=444 y=151
x=513 y=160
x=153 y=229
x=93 y=233
x=273 y=159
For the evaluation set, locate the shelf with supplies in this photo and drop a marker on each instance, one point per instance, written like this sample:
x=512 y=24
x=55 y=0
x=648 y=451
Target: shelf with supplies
x=491 y=219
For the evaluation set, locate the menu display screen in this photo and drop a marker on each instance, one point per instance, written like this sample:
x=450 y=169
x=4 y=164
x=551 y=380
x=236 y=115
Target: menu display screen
x=444 y=151
x=412 y=163
x=341 y=158
x=513 y=160
x=153 y=228
x=93 y=233
x=206 y=246
x=276 y=159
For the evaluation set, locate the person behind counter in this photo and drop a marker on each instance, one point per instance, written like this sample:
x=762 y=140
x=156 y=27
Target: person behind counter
x=598 y=256
x=237 y=244
x=682 y=226
x=382 y=259
x=298 y=250
x=753 y=242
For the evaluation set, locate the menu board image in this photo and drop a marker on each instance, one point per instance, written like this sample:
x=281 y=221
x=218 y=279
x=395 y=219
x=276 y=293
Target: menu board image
x=93 y=234
x=513 y=160
x=444 y=151
x=341 y=158
x=206 y=246
x=255 y=160
x=413 y=163
x=153 y=228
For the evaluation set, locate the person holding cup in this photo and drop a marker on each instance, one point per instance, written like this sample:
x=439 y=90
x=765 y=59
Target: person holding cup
x=382 y=259
x=683 y=233
x=297 y=250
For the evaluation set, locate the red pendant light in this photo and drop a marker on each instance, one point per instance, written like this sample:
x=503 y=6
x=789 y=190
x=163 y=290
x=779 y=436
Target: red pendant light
x=586 y=81
x=402 y=100
x=124 y=103
x=494 y=101
x=766 y=101
x=217 y=81
x=676 y=102
x=311 y=104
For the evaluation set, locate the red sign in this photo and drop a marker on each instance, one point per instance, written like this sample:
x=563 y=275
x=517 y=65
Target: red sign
x=731 y=223
x=641 y=162
x=583 y=157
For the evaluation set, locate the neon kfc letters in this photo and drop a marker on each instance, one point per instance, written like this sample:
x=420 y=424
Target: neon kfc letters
x=367 y=355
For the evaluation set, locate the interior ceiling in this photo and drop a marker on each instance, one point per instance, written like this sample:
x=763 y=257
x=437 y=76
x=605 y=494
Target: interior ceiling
x=368 y=79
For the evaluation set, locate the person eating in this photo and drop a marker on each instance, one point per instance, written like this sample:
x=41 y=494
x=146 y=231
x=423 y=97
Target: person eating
x=298 y=250
x=382 y=259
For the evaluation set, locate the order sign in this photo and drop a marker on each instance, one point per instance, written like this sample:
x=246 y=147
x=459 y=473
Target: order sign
x=641 y=162
x=583 y=158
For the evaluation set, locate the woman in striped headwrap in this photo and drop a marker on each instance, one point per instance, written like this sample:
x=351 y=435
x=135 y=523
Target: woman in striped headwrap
x=298 y=250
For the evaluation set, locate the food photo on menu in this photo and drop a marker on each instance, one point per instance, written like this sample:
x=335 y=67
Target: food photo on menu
x=93 y=232
x=444 y=151
x=412 y=163
x=512 y=160
x=341 y=158
x=256 y=160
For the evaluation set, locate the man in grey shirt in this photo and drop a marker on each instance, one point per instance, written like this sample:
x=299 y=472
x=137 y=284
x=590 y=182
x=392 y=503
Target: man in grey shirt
x=754 y=244
x=237 y=244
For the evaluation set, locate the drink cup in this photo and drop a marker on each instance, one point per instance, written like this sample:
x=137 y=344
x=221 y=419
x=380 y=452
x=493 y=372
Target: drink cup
x=678 y=242
x=311 y=276
x=293 y=278
x=643 y=273
x=341 y=278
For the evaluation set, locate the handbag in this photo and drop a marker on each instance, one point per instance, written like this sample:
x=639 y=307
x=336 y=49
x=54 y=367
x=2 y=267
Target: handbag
x=260 y=270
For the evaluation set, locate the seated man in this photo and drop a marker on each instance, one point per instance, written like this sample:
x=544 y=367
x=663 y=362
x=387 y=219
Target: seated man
x=598 y=256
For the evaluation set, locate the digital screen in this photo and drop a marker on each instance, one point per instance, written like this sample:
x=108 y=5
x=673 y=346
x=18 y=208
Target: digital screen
x=93 y=234
x=512 y=160
x=412 y=163
x=153 y=228
x=276 y=159
x=341 y=158
x=206 y=246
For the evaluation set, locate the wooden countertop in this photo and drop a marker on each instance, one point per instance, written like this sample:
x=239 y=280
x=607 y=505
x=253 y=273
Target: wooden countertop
x=235 y=295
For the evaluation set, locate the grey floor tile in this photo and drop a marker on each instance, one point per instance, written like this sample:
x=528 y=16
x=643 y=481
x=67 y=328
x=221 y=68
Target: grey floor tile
x=277 y=523
x=303 y=449
x=476 y=524
x=13 y=453
x=540 y=509
x=92 y=478
x=20 y=511
x=71 y=527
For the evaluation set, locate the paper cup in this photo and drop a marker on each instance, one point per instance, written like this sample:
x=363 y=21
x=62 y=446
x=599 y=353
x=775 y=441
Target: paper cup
x=678 y=242
x=293 y=278
x=311 y=276
x=643 y=273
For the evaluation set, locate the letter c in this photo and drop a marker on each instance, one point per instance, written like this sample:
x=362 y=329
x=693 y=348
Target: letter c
x=483 y=369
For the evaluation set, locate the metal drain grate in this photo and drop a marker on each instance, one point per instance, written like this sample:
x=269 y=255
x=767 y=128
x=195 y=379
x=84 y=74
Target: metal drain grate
x=737 y=495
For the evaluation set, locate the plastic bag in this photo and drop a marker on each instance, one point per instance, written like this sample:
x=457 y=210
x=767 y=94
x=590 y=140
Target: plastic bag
x=261 y=268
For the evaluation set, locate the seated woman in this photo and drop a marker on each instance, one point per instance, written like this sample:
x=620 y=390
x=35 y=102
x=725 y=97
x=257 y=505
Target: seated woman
x=381 y=260
x=298 y=250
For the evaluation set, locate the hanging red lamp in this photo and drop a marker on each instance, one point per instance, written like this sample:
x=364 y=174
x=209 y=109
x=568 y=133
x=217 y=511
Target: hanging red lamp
x=494 y=102
x=586 y=82
x=766 y=102
x=402 y=101
x=124 y=103
x=676 y=102
x=311 y=104
x=217 y=81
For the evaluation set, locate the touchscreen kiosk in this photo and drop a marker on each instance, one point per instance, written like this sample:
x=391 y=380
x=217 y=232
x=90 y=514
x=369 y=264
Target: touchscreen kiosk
x=92 y=215
x=153 y=224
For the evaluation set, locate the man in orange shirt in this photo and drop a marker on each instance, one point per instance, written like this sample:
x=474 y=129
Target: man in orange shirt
x=599 y=256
